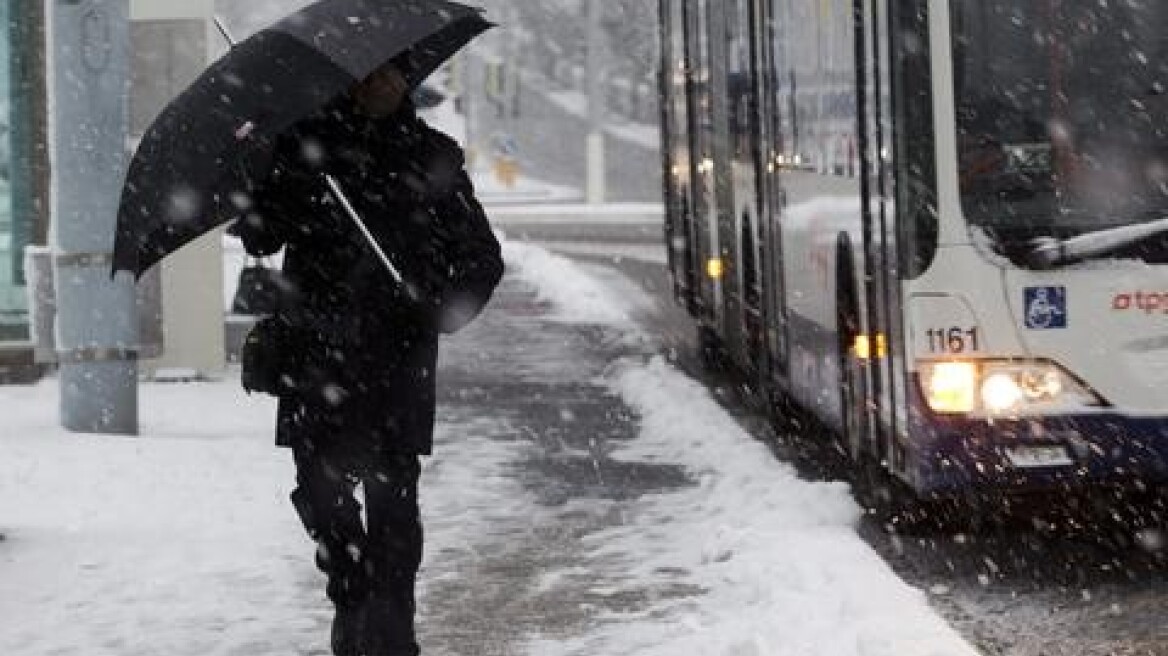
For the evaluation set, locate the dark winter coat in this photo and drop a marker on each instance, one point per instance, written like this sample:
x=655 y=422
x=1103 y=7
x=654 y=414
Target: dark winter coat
x=363 y=351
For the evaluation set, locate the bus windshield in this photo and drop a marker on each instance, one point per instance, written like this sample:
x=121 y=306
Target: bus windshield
x=1062 y=115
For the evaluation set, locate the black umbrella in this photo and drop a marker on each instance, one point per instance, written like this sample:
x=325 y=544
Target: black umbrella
x=210 y=145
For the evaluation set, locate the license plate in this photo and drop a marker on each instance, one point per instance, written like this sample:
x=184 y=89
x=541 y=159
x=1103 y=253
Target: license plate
x=1039 y=456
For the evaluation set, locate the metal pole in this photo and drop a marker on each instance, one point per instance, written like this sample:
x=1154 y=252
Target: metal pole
x=473 y=90
x=511 y=61
x=96 y=327
x=594 y=145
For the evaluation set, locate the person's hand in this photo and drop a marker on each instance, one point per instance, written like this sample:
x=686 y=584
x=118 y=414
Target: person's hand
x=424 y=286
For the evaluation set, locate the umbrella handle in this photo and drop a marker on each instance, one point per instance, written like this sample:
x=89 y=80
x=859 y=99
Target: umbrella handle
x=349 y=210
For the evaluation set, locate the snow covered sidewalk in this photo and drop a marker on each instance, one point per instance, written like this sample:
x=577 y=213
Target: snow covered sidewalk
x=585 y=498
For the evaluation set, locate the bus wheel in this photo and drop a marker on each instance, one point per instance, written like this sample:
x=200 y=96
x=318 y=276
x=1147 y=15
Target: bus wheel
x=711 y=352
x=851 y=380
x=895 y=507
x=852 y=402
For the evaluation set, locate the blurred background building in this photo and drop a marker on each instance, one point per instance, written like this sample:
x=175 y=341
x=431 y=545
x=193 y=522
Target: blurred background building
x=181 y=328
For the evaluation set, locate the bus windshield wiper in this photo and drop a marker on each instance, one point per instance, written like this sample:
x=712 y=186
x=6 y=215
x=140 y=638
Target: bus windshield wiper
x=1050 y=252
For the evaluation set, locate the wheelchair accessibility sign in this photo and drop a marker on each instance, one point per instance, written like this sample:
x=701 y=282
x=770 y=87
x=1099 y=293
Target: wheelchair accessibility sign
x=1046 y=308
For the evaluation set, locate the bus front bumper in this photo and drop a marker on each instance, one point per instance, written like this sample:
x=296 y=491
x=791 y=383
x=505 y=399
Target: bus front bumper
x=956 y=456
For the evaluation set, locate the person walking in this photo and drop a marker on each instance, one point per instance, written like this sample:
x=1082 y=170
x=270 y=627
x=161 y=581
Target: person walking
x=351 y=351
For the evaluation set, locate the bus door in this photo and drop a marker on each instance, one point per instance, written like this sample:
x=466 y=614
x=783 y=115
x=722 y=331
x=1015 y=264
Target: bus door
x=772 y=197
x=701 y=109
x=880 y=261
x=684 y=265
x=721 y=172
x=742 y=57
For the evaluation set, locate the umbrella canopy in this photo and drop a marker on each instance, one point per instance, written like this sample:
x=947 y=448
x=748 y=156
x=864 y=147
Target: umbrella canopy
x=196 y=163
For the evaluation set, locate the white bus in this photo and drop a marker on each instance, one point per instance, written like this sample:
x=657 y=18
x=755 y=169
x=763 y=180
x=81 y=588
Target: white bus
x=941 y=226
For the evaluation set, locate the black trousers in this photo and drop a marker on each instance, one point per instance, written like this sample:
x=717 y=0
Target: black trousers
x=372 y=565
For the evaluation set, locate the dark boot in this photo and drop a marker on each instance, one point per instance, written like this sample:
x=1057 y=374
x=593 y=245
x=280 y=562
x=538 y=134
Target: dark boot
x=348 y=638
x=389 y=628
x=393 y=556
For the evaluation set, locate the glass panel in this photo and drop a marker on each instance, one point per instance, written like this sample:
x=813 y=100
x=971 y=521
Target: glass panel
x=740 y=78
x=702 y=111
x=915 y=146
x=1062 y=108
x=815 y=51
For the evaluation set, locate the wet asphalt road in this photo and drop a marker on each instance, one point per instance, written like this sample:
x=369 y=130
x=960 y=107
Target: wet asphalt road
x=1011 y=590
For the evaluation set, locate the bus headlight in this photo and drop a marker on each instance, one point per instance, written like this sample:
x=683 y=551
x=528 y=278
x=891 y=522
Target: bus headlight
x=950 y=386
x=1025 y=387
x=997 y=388
x=1001 y=392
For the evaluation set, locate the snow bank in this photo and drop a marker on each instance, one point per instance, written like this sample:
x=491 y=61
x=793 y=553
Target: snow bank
x=577 y=296
x=182 y=542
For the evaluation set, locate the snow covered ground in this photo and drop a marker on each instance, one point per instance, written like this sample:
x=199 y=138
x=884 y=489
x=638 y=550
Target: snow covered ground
x=182 y=542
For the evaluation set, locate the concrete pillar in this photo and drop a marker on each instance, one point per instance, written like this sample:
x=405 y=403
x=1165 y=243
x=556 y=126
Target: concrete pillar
x=96 y=333
x=172 y=44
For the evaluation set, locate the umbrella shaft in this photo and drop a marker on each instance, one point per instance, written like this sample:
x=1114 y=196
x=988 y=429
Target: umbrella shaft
x=344 y=200
x=223 y=30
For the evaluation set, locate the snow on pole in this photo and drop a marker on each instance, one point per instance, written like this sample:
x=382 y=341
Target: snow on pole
x=96 y=328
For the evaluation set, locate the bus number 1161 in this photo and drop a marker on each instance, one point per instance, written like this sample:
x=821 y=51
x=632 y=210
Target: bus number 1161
x=953 y=340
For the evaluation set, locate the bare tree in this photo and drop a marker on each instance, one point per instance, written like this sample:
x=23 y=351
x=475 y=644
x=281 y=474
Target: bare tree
x=631 y=27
